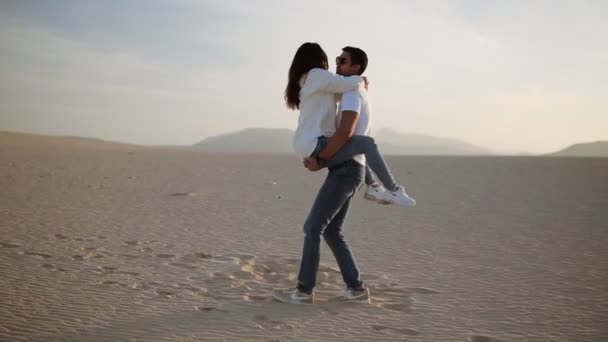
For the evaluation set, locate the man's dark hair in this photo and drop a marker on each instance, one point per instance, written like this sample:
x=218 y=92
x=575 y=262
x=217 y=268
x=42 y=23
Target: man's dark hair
x=357 y=56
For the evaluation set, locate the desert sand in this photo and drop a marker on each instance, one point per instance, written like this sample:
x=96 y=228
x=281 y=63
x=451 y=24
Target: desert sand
x=113 y=242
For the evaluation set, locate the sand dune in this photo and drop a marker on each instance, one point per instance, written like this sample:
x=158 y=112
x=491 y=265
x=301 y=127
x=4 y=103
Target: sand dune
x=113 y=242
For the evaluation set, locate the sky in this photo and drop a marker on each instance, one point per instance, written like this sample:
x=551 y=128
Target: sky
x=510 y=76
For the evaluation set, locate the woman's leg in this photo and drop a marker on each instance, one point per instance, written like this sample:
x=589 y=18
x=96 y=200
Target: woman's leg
x=358 y=144
x=369 y=176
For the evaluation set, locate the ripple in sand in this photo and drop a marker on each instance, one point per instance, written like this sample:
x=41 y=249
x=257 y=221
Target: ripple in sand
x=191 y=288
x=209 y=308
x=80 y=257
x=399 y=331
x=133 y=243
x=181 y=194
x=53 y=268
x=165 y=256
x=422 y=290
x=106 y=268
x=480 y=338
x=46 y=256
x=183 y=265
x=134 y=274
x=9 y=244
x=165 y=293
x=256 y=298
x=398 y=307
x=113 y=282
x=128 y=256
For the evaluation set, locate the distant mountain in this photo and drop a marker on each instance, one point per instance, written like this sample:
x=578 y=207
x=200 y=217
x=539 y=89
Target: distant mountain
x=251 y=140
x=392 y=142
x=594 y=149
x=278 y=141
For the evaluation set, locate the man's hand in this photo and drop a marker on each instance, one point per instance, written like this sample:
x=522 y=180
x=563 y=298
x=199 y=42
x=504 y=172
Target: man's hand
x=312 y=164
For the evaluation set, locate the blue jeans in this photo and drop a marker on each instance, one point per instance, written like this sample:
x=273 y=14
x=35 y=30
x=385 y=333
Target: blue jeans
x=369 y=176
x=358 y=144
x=327 y=218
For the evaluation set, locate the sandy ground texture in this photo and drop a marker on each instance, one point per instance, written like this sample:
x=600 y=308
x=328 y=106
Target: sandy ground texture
x=112 y=242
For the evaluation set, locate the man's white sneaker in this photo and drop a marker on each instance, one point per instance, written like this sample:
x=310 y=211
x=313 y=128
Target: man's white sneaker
x=374 y=193
x=293 y=296
x=398 y=196
x=352 y=295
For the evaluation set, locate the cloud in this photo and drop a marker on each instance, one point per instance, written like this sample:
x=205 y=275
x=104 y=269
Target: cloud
x=174 y=72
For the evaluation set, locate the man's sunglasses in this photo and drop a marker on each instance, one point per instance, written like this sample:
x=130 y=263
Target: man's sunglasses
x=341 y=60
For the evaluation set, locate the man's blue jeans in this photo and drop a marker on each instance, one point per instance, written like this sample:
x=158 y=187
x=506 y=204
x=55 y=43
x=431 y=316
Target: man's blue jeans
x=327 y=218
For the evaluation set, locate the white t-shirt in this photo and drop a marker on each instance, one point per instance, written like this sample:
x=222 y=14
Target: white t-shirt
x=356 y=101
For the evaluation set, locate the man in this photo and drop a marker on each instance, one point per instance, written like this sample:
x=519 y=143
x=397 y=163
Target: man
x=333 y=201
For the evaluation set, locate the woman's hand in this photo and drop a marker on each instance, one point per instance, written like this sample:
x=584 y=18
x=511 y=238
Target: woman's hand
x=366 y=81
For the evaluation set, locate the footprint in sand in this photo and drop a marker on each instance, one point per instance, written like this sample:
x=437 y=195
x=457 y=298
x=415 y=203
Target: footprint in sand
x=399 y=331
x=272 y=271
x=391 y=296
x=256 y=298
x=265 y=323
x=189 y=261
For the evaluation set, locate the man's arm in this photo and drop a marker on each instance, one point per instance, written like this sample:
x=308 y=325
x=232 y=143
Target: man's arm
x=346 y=129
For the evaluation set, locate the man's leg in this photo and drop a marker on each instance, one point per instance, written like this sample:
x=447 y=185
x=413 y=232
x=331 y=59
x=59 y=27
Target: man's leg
x=338 y=188
x=335 y=240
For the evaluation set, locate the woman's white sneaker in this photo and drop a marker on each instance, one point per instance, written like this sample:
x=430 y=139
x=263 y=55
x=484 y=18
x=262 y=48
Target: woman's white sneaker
x=398 y=196
x=374 y=193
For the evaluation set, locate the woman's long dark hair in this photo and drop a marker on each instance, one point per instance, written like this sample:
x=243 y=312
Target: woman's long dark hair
x=308 y=57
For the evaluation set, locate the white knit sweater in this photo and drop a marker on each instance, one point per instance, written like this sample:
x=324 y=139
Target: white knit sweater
x=318 y=107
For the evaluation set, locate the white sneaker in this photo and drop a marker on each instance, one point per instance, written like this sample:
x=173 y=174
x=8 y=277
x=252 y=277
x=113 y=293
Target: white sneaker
x=398 y=197
x=374 y=193
x=293 y=296
x=352 y=295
